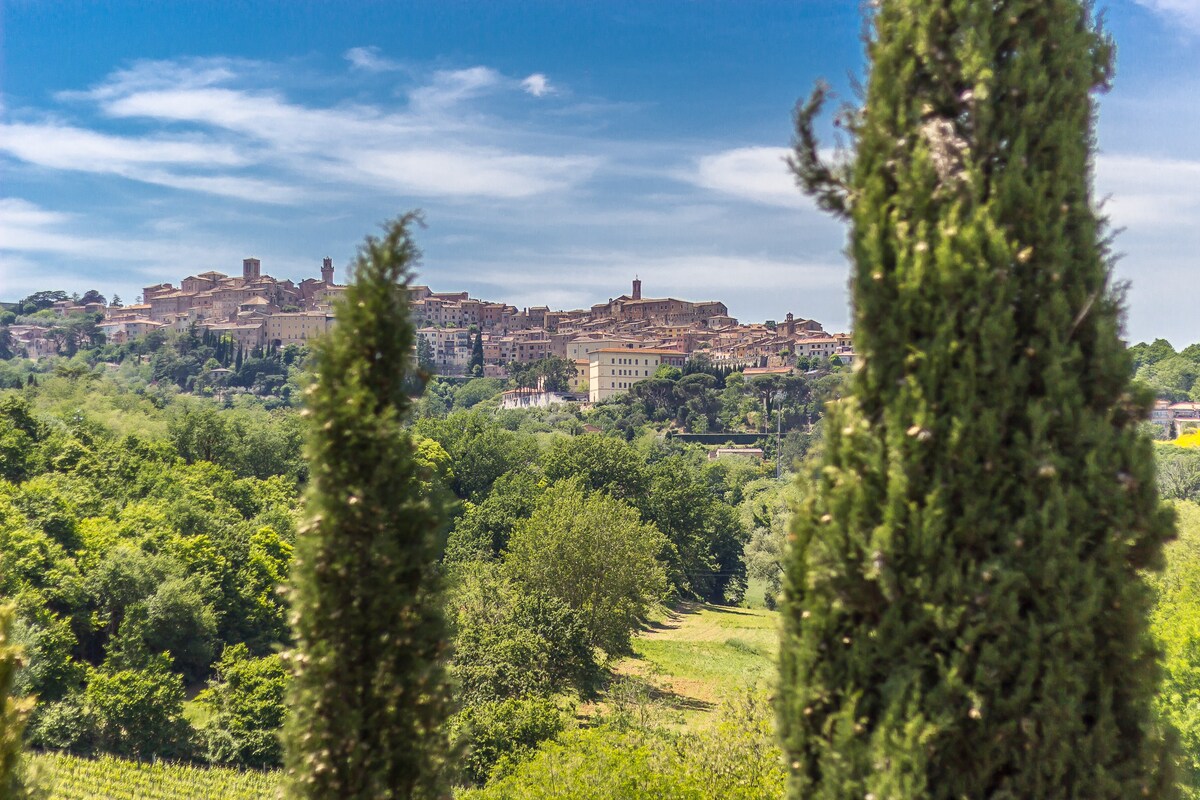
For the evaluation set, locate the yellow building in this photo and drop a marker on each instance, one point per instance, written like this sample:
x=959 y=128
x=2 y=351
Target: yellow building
x=612 y=370
x=297 y=328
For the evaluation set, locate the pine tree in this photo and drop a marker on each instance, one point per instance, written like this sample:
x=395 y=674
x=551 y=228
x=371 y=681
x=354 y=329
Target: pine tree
x=370 y=692
x=13 y=713
x=964 y=612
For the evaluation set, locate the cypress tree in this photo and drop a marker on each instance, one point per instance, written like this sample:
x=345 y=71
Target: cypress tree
x=964 y=613
x=13 y=712
x=369 y=693
x=477 y=355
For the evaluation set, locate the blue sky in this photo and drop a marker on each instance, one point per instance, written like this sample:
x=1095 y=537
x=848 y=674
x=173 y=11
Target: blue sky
x=557 y=149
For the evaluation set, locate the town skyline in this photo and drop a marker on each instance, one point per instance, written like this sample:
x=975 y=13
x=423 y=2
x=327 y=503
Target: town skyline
x=555 y=150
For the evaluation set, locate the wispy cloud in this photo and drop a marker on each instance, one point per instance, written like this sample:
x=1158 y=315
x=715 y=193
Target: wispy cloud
x=369 y=59
x=1148 y=193
x=451 y=87
x=758 y=174
x=1186 y=12
x=436 y=147
x=182 y=163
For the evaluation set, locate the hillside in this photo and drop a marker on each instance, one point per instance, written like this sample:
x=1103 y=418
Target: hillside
x=685 y=664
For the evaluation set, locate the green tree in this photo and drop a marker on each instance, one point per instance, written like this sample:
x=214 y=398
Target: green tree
x=1143 y=354
x=706 y=536
x=475 y=366
x=369 y=694
x=601 y=463
x=511 y=641
x=554 y=373
x=425 y=360
x=480 y=450
x=13 y=712
x=245 y=703
x=139 y=712
x=482 y=532
x=595 y=554
x=1176 y=626
x=964 y=614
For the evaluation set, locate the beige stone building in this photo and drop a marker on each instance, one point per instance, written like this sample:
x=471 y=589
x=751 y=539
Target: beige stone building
x=297 y=328
x=612 y=370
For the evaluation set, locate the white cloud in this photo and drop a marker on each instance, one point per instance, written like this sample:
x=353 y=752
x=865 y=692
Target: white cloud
x=537 y=85
x=369 y=59
x=1149 y=193
x=259 y=146
x=599 y=272
x=758 y=174
x=1186 y=12
x=176 y=163
x=451 y=87
x=44 y=249
x=65 y=147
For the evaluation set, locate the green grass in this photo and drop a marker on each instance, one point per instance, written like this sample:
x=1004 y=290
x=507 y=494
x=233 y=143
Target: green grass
x=696 y=656
x=107 y=778
x=756 y=593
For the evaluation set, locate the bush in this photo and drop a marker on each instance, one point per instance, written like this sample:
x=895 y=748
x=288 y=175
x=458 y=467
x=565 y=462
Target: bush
x=504 y=731
x=735 y=760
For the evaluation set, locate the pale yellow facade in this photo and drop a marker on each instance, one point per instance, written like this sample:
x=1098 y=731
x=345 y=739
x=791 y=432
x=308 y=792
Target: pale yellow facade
x=298 y=328
x=611 y=371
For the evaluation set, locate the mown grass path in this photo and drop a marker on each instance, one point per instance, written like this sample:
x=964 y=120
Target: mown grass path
x=697 y=655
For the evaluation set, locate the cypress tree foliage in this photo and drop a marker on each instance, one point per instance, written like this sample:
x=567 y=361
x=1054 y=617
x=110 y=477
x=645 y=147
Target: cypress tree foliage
x=476 y=364
x=964 y=615
x=370 y=692
x=13 y=713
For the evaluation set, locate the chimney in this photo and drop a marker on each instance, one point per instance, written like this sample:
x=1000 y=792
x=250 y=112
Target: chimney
x=250 y=268
x=637 y=289
x=327 y=272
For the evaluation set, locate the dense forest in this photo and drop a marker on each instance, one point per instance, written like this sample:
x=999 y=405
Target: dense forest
x=145 y=530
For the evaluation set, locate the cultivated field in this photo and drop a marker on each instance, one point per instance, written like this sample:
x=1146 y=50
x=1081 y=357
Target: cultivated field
x=107 y=778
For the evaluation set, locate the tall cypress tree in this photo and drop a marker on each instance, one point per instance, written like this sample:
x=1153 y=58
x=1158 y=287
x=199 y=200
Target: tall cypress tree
x=475 y=365
x=964 y=615
x=370 y=693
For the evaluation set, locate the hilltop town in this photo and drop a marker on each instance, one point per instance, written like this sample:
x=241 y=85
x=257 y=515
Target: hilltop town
x=612 y=344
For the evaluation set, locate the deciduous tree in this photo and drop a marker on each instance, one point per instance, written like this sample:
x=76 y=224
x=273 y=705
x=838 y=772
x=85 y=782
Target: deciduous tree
x=13 y=712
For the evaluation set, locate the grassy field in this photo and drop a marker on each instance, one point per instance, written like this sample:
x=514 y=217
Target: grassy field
x=106 y=778
x=695 y=656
